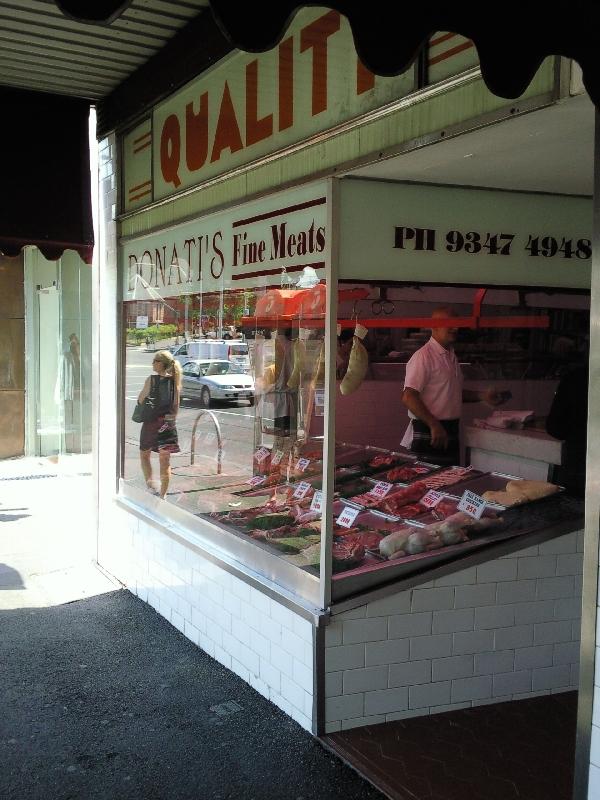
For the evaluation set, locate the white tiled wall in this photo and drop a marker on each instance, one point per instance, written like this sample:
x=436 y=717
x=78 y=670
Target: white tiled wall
x=263 y=642
x=505 y=630
x=594 y=778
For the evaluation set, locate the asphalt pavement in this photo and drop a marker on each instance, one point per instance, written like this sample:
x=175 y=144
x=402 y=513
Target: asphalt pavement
x=102 y=699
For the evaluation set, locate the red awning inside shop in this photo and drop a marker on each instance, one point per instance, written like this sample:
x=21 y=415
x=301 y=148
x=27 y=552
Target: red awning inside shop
x=512 y=38
x=45 y=198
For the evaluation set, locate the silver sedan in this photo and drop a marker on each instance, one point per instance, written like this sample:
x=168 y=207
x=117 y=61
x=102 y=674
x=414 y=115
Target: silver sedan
x=206 y=380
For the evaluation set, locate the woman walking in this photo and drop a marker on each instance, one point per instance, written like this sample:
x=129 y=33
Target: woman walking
x=160 y=434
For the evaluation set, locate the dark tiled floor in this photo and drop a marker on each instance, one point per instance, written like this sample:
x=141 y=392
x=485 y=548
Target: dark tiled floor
x=523 y=750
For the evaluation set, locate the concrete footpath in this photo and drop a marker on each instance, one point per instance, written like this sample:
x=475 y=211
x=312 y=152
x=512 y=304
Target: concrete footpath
x=102 y=698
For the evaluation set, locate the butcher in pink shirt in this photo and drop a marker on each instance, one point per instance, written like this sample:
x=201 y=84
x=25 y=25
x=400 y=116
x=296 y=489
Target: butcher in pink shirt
x=433 y=394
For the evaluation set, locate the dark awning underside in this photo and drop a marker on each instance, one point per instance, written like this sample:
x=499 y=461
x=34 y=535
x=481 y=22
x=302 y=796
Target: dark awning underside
x=512 y=38
x=45 y=166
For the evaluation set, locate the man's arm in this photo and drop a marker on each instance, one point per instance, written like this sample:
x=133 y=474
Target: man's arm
x=489 y=396
x=413 y=401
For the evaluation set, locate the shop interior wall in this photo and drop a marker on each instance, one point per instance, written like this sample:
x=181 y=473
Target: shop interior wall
x=12 y=357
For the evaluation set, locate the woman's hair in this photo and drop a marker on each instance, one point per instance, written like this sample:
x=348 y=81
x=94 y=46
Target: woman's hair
x=171 y=365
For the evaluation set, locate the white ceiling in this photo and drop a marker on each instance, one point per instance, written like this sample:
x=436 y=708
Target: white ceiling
x=550 y=150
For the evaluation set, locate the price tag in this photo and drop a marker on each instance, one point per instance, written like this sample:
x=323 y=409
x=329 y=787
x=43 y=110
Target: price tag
x=319 y=402
x=347 y=517
x=277 y=458
x=472 y=504
x=380 y=489
x=431 y=499
x=302 y=489
x=302 y=464
x=317 y=501
x=261 y=454
x=256 y=480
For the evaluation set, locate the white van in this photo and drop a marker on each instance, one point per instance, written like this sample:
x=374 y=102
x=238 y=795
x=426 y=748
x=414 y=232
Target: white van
x=211 y=349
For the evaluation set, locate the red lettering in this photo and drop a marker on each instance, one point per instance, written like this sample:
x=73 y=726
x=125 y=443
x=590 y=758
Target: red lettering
x=365 y=80
x=286 y=84
x=227 y=135
x=315 y=37
x=196 y=134
x=170 y=150
x=256 y=129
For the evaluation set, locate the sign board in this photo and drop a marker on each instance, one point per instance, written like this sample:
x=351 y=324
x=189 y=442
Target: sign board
x=421 y=232
x=246 y=246
x=250 y=105
x=141 y=321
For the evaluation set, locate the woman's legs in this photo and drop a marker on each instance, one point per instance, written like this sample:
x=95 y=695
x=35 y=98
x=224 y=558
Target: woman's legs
x=146 y=467
x=164 y=458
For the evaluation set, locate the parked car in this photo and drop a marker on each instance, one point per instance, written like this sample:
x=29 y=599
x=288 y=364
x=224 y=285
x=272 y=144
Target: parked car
x=216 y=380
x=212 y=349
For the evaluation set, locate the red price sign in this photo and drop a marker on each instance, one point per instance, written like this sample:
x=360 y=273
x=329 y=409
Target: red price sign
x=347 y=517
x=277 y=458
x=256 y=480
x=431 y=499
x=472 y=504
x=317 y=502
x=380 y=489
x=302 y=464
x=301 y=489
x=261 y=454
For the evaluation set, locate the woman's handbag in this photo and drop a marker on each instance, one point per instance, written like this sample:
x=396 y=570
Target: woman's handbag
x=146 y=411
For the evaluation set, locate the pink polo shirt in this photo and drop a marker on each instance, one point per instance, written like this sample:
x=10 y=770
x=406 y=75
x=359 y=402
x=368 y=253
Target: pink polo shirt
x=435 y=373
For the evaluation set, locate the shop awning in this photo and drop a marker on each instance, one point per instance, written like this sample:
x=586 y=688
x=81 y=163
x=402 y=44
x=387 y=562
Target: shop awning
x=512 y=38
x=45 y=167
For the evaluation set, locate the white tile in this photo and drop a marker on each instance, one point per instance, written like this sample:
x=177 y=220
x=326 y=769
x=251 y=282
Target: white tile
x=595 y=748
x=249 y=659
x=280 y=702
x=270 y=629
x=334 y=684
x=567 y=653
x=241 y=631
x=260 y=644
x=222 y=656
x=251 y=616
x=303 y=676
x=206 y=644
x=567 y=608
x=260 y=601
x=392 y=651
x=301 y=718
x=562 y=544
x=472 y=642
x=233 y=605
x=445 y=669
x=360 y=722
x=499 y=570
x=540 y=567
x=360 y=612
x=462 y=619
x=334 y=634
x=293 y=644
x=231 y=645
x=516 y=591
x=259 y=685
x=344 y=707
x=431 y=646
x=432 y=599
x=552 y=632
x=214 y=632
x=512 y=683
x=449 y=707
x=240 y=670
x=552 y=588
x=495 y=662
x=580 y=541
x=407 y=625
x=412 y=713
x=430 y=694
x=177 y=621
x=309 y=654
x=518 y=636
x=309 y=705
x=303 y=628
x=472 y=596
x=293 y=693
x=222 y=618
x=240 y=589
x=410 y=673
x=533 y=611
x=365 y=630
x=386 y=701
x=365 y=680
x=530 y=657
x=551 y=677
x=494 y=617
x=344 y=657
x=270 y=675
x=281 y=660
x=476 y=688
x=191 y=632
x=462 y=578
x=394 y=604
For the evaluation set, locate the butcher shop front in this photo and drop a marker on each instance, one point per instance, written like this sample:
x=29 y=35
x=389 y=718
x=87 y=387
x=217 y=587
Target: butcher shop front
x=293 y=512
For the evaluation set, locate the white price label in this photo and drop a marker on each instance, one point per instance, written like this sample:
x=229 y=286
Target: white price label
x=302 y=464
x=317 y=502
x=301 y=489
x=472 y=504
x=277 y=458
x=256 y=480
x=261 y=454
x=431 y=499
x=347 y=517
x=380 y=489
